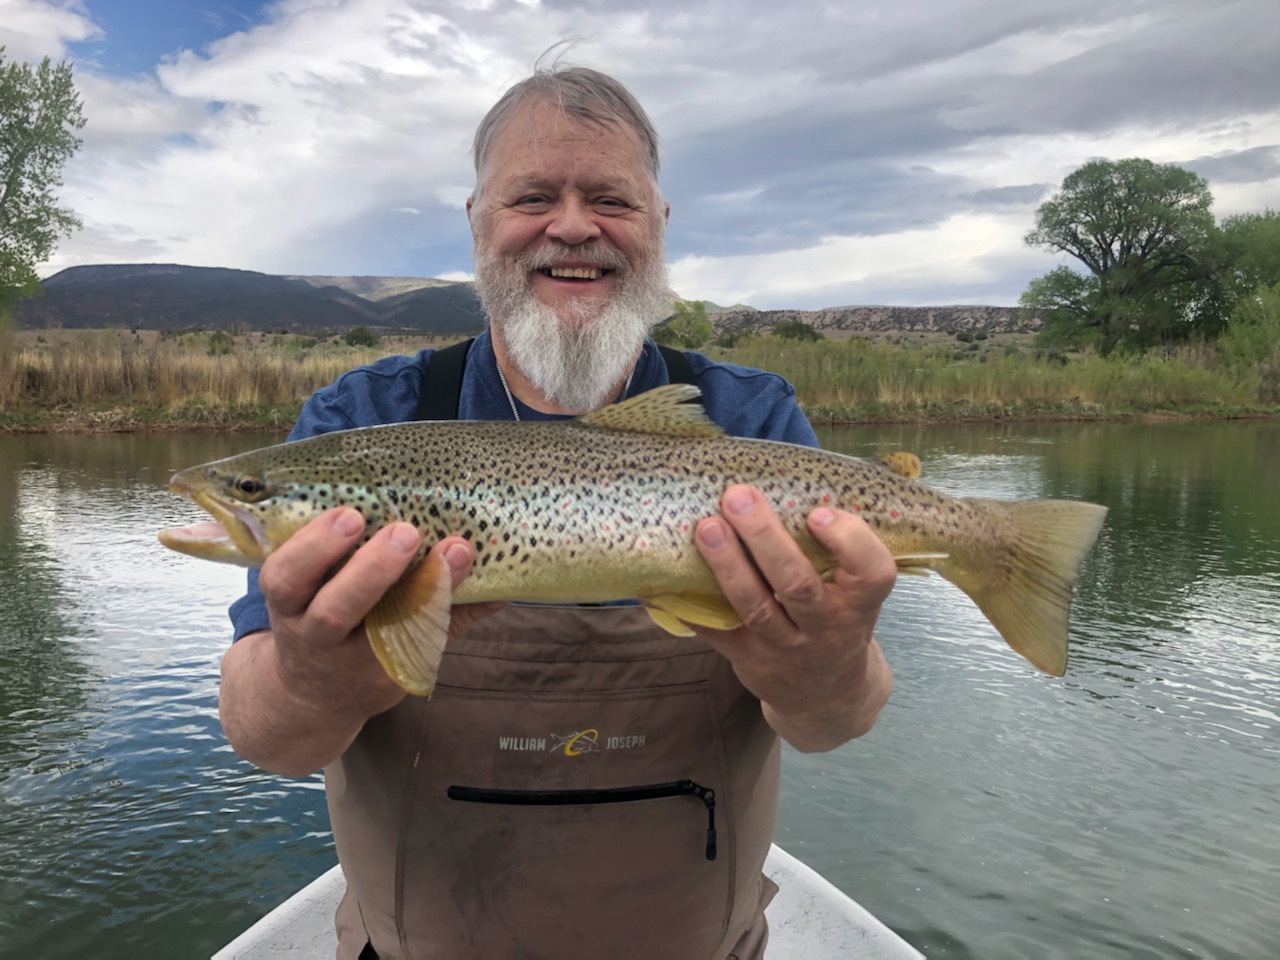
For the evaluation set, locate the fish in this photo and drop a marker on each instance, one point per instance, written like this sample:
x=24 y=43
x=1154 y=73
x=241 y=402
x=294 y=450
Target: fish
x=602 y=508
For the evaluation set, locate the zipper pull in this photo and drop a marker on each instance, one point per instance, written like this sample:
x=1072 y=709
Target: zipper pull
x=708 y=797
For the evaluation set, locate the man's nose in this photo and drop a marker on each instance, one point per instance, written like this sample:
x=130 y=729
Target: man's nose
x=574 y=222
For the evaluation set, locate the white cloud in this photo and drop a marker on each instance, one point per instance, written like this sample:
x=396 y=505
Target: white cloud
x=31 y=29
x=814 y=153
x=960 y=253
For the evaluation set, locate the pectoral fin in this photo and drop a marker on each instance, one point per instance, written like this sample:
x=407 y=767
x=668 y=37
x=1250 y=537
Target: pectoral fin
x=410 y=625
x=675 y=611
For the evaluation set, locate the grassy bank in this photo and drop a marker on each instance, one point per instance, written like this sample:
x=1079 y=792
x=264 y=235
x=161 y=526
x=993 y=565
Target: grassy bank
x=122 y=380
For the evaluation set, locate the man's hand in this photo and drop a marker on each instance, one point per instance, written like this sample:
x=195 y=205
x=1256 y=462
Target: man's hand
x=805 y=647
x=294 y=697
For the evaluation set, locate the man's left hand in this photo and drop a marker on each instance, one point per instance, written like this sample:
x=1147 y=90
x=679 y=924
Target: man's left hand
x=805 y=647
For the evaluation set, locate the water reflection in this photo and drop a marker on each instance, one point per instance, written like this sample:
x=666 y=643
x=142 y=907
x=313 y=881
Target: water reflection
x=1131 y=809
x=1128 y=810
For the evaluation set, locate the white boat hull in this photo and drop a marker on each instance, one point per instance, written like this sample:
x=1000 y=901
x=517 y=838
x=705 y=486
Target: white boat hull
x=810 y=918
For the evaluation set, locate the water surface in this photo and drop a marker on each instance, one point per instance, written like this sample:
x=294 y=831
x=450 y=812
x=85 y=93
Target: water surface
x=1130 y=809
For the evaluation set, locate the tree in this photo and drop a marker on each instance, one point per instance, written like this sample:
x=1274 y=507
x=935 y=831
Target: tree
x=39 y=114
x=1145 y=232
x=1252 y=338
x=688 y=327
x=796 y=330
x=360 y=337
x=1252 y=242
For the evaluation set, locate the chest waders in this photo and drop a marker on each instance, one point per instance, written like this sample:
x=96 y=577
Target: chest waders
x=581 y=784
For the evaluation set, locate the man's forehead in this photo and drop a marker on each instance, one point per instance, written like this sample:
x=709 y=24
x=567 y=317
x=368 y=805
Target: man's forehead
x=544 y=121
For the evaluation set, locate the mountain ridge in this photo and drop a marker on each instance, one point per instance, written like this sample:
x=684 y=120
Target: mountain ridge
x=168 y=296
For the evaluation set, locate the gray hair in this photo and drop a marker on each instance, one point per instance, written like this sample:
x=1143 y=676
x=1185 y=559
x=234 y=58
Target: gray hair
x=580 y=92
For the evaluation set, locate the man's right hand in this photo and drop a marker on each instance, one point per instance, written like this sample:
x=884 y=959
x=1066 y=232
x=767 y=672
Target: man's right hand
x=294 y=697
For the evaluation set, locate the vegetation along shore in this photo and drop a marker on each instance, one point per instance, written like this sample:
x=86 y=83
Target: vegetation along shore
x=116 y=380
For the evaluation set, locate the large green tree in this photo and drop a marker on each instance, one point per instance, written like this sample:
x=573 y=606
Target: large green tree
x=688 y=327
x=39 y=114
x=1252 y=245
x=1145 y=234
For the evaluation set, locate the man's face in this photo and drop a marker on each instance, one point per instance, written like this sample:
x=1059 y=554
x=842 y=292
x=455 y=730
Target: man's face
x=568 y=244
x=575 y=198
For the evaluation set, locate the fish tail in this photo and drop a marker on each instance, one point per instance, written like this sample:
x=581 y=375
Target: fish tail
x=1029 y=605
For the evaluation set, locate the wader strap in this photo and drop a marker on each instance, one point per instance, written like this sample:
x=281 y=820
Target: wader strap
x=679 y=370
x=442 y=382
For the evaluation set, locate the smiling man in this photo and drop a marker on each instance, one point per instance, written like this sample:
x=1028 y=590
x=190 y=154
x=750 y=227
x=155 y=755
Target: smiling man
x=581 y=784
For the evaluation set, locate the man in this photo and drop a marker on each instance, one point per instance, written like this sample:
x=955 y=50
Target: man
x=545 y=801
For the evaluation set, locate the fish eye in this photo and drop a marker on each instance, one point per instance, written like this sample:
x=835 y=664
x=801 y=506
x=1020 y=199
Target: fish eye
x=250 y=487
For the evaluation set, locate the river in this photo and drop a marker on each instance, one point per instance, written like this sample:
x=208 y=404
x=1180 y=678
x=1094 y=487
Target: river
x=1130 y=809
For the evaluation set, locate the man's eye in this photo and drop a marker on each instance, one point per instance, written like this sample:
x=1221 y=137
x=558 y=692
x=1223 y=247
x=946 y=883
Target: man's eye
x=532 y=200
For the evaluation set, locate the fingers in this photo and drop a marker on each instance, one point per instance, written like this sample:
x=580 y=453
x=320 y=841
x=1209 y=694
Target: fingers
x=294 y=572
x=761 y=569
x=866 y=570
x=293 y=580
x=767 y=577
x=339 y=605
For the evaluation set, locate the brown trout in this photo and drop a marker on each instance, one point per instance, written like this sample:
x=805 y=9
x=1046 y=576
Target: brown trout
x=603 y=507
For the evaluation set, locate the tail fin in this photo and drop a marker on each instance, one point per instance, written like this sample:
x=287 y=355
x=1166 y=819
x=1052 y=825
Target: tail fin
x=1030 y=605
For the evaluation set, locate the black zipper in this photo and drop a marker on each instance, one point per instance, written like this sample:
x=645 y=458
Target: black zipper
x=550 y=798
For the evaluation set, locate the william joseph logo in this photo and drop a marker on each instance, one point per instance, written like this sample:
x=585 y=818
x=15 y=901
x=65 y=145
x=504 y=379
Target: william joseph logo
x=576 y=744
x=572 y=745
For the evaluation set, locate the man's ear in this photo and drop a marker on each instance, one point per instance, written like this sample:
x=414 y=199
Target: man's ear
x=666 y=211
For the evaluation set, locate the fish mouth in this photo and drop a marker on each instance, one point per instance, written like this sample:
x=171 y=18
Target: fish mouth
x=236 y=536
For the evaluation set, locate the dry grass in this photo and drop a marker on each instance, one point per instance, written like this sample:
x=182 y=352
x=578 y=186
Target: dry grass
x=122 y=379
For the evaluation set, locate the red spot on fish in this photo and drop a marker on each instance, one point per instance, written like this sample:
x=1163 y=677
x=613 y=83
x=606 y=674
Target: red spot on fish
x=791 y=503
x=856 y=508
x=493 y=541
x=894 y=514
x=826 y=498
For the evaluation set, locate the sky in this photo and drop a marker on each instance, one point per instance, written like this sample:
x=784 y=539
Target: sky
x=814 y=154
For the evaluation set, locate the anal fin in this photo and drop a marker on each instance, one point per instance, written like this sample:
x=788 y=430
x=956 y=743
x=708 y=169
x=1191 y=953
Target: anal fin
x=697 y=609
x=409 y=627
x=918 y=564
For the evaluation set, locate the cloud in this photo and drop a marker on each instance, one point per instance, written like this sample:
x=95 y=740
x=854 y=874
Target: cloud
x=31 y=29
x=814 y=153
x=1240 y=166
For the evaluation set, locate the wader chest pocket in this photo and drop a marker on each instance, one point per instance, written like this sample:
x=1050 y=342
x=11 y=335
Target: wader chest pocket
x=550 y=798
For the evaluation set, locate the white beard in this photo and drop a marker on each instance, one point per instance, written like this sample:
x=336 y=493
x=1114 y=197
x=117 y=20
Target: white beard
x=578 y=359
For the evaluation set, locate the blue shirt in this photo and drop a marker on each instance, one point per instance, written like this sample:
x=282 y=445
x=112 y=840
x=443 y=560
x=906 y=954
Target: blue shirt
x=744 y=402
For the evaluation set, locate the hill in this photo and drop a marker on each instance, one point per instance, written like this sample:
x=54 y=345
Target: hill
x=845 y=321
x=158 y=296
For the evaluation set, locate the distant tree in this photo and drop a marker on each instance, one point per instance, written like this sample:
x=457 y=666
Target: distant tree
x=1252 y=338
x=1145 y=233
x=688 y=327
x=220 y=343
x=360 y=337
x=795 y=330
x=39 y=112
x=1252 y=252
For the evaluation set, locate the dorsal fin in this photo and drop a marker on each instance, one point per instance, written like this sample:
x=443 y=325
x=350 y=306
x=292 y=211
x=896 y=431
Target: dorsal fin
x=662 y=410
x=901 y=462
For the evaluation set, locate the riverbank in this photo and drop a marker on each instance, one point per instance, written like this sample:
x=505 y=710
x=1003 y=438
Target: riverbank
x=107 y=381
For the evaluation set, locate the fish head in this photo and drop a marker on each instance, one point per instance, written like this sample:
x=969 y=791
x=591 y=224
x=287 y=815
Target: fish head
x=256 y=500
